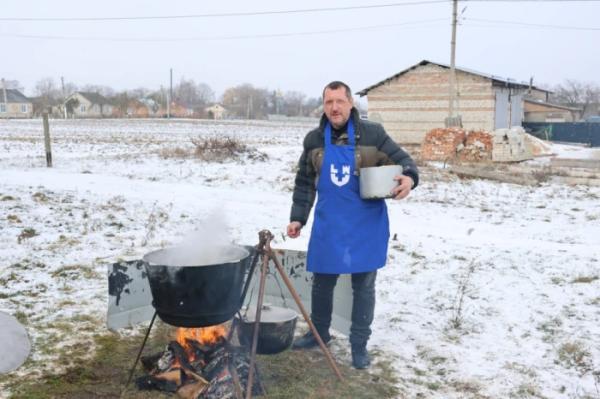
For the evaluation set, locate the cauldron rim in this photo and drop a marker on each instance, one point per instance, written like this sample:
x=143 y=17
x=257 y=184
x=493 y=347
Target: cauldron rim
x=270 y=315
x=153 y=258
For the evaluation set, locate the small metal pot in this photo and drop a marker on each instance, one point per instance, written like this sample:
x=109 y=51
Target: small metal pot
x=378 y=182
x=276 y=329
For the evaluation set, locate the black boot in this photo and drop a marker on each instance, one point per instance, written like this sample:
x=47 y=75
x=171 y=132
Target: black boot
x=360 y=356
x=308 y=341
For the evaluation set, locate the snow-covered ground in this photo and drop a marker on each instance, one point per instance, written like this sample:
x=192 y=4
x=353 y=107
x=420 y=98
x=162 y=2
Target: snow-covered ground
x=491 y=289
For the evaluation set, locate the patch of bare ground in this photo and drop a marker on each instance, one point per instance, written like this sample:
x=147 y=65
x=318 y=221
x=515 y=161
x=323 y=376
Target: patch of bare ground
x=290 y=374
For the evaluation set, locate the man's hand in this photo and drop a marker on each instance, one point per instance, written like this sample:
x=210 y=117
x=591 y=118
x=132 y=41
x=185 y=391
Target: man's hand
x=293 y=229
x=405 y=184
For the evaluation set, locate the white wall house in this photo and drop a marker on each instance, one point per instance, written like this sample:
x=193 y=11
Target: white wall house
x=13 y=104
x=88 y=105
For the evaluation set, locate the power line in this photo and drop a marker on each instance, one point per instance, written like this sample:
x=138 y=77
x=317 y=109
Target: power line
x=531 y=1
x=526 y=24
x=276 y=12
x=222 y=15
x=233 y=37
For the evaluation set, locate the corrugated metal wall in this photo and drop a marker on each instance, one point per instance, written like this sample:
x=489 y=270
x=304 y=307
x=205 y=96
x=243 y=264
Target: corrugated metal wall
x=574 y=132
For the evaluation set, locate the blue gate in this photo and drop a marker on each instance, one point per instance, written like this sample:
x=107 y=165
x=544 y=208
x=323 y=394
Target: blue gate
x=570 y=132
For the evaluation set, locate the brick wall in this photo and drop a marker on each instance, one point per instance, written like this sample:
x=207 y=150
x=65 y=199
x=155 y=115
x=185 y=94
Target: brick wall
x=456 y=144
x=442 y=144
x=417 y=102
x=510 y=145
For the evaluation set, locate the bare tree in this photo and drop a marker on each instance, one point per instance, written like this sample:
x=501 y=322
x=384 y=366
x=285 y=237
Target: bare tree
x=205 y=93
x=68 y=89
x=140 y=92
x=294 y=102
x=311 y=105
x=105 y=91
x=192 y=95
x=247 y=101
x=121 y=101
x=47 y=90
x=584 y=95
x=71 y=105
x=13 y=84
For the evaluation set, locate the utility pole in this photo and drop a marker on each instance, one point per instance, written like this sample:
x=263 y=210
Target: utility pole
x=170 y=94
x=453 y=120
x=249 y=107
x=4 y=95
x=64 y=96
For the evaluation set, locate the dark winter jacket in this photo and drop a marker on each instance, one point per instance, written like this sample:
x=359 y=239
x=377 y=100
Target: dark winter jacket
x=373 y=148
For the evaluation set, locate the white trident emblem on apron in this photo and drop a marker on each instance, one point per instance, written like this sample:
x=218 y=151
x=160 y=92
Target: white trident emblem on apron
x=345 y=178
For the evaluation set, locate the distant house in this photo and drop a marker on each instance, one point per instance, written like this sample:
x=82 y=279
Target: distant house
x=415 y=101
x=541 y=111
x=154 y=108
x=216 y=111
x=13 y=104
x=137 y=109
x=180 y=110
x=88 y=105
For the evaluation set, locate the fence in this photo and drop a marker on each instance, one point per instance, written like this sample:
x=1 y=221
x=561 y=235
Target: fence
x=570 y=132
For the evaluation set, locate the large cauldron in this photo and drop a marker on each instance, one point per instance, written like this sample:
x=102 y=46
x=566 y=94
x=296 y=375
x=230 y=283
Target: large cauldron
x=193 y=289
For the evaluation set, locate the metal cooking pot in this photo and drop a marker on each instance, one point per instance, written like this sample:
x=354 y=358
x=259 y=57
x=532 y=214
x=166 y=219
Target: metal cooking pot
x=377 y=182
x=193 y=289
x=276 y=329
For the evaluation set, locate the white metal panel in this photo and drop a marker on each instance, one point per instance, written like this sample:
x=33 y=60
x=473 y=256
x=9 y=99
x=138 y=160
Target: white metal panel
x=130 y=299
x=501 y=115
x=516 y=109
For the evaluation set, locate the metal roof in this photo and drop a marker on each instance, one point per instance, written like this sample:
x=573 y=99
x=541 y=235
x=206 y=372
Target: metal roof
x=94 y=98
x=13 y=96
x=540 y=102
x=503 y=81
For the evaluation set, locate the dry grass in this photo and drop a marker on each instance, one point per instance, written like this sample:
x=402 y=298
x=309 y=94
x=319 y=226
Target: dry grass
x=215 y=149
x=176 y=152
x=575 y=355
x=220 y=149
x=26 y=233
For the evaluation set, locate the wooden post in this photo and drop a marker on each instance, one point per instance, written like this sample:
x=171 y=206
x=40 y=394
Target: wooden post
x=47 y=139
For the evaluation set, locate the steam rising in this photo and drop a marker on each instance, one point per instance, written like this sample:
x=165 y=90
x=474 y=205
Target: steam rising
x=209 y=244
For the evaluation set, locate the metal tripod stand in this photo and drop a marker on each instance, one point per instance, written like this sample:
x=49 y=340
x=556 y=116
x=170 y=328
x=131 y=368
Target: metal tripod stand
x=264 y=247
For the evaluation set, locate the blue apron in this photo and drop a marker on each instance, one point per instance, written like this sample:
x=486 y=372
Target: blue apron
x=349 y=234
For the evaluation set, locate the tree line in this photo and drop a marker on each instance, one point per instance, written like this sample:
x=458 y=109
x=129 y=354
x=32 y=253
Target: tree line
x=576 y=94
x=250 y=102
x=242 y=101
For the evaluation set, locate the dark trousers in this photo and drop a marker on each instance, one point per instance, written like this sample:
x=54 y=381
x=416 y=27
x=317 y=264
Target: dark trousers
x=363 y=304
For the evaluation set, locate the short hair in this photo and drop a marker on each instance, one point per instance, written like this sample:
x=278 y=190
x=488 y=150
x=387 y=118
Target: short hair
x=336 y=84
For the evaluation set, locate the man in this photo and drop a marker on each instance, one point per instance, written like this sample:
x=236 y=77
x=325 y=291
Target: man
x=349 y=235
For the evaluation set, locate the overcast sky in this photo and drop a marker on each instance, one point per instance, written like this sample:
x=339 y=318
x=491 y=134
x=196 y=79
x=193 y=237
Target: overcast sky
x=368 y=44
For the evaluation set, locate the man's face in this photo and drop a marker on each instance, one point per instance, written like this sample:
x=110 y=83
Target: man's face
x=337 y=106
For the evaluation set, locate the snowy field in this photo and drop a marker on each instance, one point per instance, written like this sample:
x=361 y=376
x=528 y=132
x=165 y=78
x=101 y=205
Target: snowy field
x=491 y=289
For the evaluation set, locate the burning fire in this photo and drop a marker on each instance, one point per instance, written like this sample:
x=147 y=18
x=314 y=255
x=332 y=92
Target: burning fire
x=206 y=336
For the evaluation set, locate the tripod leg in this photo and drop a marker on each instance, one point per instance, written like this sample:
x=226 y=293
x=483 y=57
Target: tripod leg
x=290 y=287
x=137 y=359
x=259 y=304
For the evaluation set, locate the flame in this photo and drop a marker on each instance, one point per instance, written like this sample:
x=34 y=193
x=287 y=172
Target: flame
x=205 y=336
